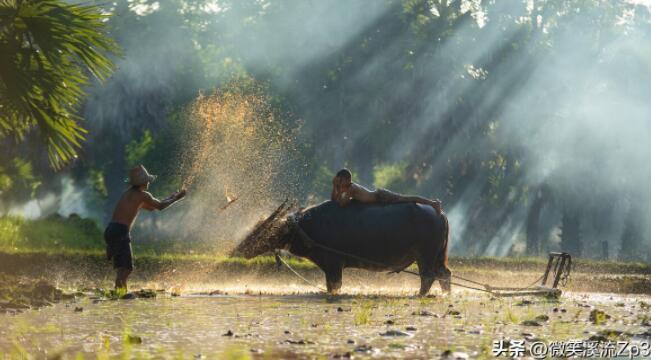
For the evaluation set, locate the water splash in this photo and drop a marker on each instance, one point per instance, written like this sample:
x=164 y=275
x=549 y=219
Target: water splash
x=238 y=160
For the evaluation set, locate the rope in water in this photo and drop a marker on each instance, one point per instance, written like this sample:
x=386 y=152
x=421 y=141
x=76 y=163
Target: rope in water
x=489 y=290
x=528 y=287
x=299 y=275
x=311 y=283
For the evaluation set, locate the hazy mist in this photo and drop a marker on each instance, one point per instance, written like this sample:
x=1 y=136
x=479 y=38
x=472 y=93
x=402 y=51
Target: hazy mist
x=548 y=100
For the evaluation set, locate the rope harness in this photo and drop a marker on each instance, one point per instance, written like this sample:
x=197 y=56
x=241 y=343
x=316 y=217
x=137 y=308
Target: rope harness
x=280 y=258
x=561 y=271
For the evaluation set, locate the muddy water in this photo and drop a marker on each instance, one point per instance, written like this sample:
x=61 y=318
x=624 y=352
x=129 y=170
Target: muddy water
x=310 y=325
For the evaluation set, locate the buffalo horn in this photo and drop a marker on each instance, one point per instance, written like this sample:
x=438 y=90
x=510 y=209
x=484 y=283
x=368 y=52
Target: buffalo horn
x=265 y=224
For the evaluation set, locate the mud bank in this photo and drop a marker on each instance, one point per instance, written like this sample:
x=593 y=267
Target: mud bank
x=19 y=294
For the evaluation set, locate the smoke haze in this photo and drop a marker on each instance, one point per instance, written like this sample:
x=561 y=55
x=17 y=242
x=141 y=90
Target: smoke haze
x=522 y=116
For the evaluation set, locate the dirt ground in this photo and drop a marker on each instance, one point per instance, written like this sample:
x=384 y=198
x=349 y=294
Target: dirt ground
x=247 y=311
x=292 y=321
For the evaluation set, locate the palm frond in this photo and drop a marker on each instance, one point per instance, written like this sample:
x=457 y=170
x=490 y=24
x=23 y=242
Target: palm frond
x=49 y=50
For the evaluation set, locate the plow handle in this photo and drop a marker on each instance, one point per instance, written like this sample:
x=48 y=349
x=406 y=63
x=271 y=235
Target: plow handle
x=558 y=260
x=558 y=274
x=549 y=267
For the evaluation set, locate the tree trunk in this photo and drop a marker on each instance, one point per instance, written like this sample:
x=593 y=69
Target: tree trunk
x=533 y=223
x=571 y=232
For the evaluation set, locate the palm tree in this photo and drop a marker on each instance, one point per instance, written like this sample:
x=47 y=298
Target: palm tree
x=48 y=51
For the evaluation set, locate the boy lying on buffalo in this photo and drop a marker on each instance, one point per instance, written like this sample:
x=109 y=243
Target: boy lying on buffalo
x=344 y=190
x=116 y=235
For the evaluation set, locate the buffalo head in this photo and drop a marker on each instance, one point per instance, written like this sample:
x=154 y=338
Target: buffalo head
x=267 y=235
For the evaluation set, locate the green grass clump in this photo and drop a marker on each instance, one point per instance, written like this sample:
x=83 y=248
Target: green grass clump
x=52 y=233
x=511 y=317
x=363 y=313
x=10 y=231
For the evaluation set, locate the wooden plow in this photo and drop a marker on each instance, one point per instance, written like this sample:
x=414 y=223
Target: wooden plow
x=557 y=273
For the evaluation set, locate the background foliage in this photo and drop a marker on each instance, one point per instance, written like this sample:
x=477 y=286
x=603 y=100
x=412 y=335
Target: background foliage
x=526 y=118
x=50 y=49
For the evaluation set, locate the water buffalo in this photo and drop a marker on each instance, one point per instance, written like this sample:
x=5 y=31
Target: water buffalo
x=372 y=237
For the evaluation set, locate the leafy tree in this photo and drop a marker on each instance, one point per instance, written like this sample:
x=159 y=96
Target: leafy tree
x=423 y=96
x=136 y=150
x=535 y=244
x=49 y=50
x=17 y=181
x=96 y=180
x=390 y=176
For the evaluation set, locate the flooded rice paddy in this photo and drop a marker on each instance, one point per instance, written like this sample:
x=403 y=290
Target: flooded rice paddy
x=310 y=325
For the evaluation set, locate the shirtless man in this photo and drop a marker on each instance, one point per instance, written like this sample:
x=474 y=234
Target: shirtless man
x=116 y=235
x=344 y=190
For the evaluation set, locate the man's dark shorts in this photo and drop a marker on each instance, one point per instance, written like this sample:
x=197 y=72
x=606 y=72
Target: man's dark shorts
x=118 y=245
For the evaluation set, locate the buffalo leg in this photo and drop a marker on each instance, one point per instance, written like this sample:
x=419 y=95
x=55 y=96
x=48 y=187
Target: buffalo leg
x=333 y=280
x=446 y=284
x=426 y=276
x=425 y=284
x=445 y=280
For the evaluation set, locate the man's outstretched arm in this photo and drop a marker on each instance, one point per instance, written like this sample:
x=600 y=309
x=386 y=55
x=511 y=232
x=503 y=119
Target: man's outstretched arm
x=436 y=203
x=151 y=203
x=389 y=197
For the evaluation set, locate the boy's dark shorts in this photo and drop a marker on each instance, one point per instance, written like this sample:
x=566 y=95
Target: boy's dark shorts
x=118 y=245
